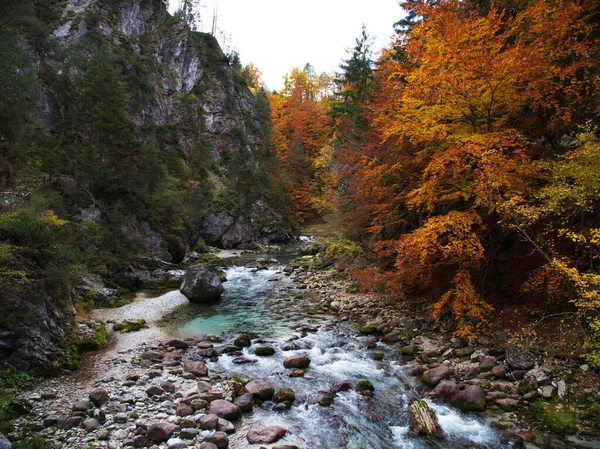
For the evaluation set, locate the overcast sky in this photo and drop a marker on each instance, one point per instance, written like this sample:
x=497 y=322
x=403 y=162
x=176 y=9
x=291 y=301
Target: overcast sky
x=278 y=35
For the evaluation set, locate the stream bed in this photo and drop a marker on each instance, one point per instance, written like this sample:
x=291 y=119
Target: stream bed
x=260 y=302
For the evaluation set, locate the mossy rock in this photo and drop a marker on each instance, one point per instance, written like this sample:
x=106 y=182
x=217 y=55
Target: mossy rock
x=284 y=395
x=130 y=325
x=556 y=416
x=264 y=351
x=243 y=341
x=364 y=385
x=378 y=356
x=367 y=330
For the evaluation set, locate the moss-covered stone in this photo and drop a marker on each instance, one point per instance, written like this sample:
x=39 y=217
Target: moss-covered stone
x=264 y=351
x=284 y=395
x=367 y=330
x=364 y=386
x=130 y=325
x=378 y=356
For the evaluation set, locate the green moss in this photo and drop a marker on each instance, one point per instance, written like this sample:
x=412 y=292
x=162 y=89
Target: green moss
x=284 y=395
x=12 y=384
x=367 y=330
x=556 y=416
x=92 y=343
x=130 y=325
x=364 y=385
x=378 y=356
x=264 y=351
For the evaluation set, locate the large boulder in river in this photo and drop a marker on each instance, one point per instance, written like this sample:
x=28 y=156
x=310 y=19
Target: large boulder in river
x=225 y=409
x=201 y=283
x=423 y=421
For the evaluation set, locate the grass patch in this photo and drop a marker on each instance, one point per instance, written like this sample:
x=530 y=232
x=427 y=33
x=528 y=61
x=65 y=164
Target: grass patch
x=556 y=416
x=130 y=325
x=12 y=384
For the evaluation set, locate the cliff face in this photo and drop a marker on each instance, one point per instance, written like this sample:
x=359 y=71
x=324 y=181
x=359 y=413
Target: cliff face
x=144 y=141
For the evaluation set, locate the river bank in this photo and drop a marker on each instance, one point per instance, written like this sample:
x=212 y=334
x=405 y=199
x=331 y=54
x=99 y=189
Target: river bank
x=347 y=338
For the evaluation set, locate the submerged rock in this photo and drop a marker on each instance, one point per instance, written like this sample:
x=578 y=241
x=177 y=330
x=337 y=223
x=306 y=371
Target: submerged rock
x=423 y=421
x=201 y=283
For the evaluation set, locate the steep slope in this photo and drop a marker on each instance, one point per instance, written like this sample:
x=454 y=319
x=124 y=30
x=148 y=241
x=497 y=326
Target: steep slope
x=125 y=139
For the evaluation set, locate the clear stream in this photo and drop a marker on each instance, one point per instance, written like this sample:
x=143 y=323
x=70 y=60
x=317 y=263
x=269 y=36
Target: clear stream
x=258 y=302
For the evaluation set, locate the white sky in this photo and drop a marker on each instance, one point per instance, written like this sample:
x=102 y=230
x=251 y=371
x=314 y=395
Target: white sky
x=279 y=35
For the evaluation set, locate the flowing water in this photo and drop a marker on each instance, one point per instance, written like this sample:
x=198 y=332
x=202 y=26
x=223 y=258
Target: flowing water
x=259 y=302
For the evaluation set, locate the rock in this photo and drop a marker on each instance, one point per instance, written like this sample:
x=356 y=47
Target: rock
x=184 y=410
x=464 y=352
x=518 y=358
x=91 y=424
x=155 y=390
x=561 y=386
x=391 y=338
x=296 y=361
x=82 y=406
x=548 y=392
x=507 y=404
x=195 y=367
x=284 y=395
x=265 y=434
x=423 y=421
x=161 y=431
x=342 y=386
x=409 y=350
x=219 y=439
x=245 y=402
x=50 y=421
x=99 y=396
x=365 y=387
x=308 y=249
x=225 y=409
x=264 y=351
x=176 y=443
x=486 y=364
x=188 y=434
x=225 y=426
x=297 y=372
x=206 y=446
x=70 y=423
x=434 y=376
x=151 y=355
x=201 y=283
x=325 y=400
x=499 y=371
x=199 y=404
x=177 y=344
x=260 y=389
x=471 y=399
x=242 y=341
x=445 y=390
x=208 y=422
x=289 y=346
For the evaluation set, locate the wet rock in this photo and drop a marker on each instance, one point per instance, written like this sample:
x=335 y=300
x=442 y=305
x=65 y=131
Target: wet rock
x=289 y=346
x=206 y=446
x=209 y=422
x=297 y=372
x=471 y=399
x=4 y=443
x=177 y=344
x=151 y=355
x=264 y=351
x=225 y=409
x=243 y=360
x=342 y=386
x=161 y=431
x=208 y=353
x=219 y=439
x=423 y=421
x=260 y=389
x=519 y=358
x=284 y=395
x=245 y=402
x=91 y=424
x=434 y=376
x=365 y=387
x=195 y=367
x=99 y=396
x=296 y=361
x=325 y=400
x=265 y=434
x=243 y=341
x=445 y=390
x=202 y=283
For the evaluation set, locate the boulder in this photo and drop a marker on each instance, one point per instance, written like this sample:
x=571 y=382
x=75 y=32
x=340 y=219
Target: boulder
x=155 y=390
x=434 y=376
x=471 y=399
x=178 y=344
x=243 y=341
x=486 y=365
x=245 y=402
x=423 y=421
x=219 y=439
x=99 y=396
x=209 y=422
x=260 y=389
x=184 y=410
x=91 y=424
x=202 y=283
x=264 y=351
x=519 y=358
x=161 y=431
x=195 y=367
x=151 y=355
x=225 y=409
x=445 y=390
x=265 y=434
x=284 y=395
x=296 y=361
x=225 y=426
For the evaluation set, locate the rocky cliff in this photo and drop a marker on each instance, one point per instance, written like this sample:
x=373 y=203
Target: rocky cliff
x=125 y=136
